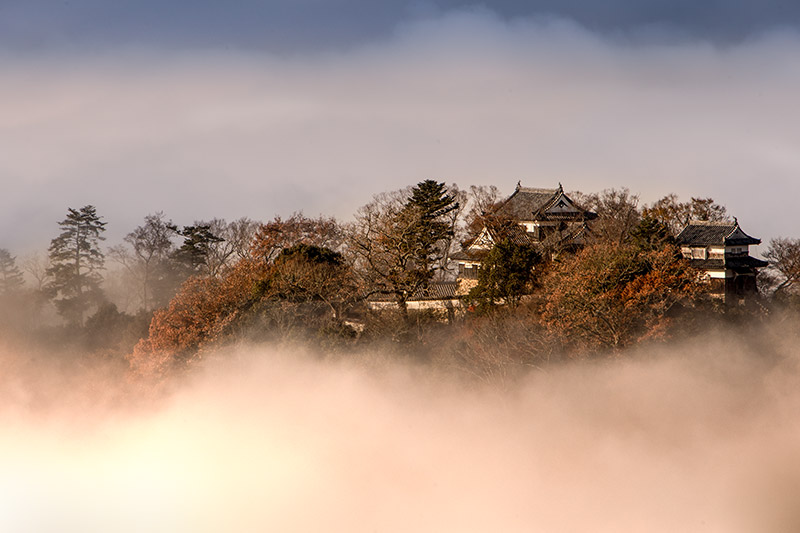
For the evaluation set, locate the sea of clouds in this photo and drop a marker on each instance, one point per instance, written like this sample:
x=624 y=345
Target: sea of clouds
x=692 y=438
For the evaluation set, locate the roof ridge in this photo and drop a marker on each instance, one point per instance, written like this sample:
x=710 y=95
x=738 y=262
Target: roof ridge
x=538 y=189
x=711 y=223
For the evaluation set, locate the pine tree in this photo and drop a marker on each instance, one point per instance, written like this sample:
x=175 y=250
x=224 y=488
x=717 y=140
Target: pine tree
x=76 y=262
x=10 y=275
x=431 y=203
x=192 y=255
x=401 y=239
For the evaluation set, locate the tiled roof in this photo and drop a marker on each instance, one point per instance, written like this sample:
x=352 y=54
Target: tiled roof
x=745 y=262
x=741 y=263
x=469 y=255
x=705 y=233
x=525 y=201
x=571 y=234
x=436 y=290
x=513 y=232
x=529 y=203
x=708 y=264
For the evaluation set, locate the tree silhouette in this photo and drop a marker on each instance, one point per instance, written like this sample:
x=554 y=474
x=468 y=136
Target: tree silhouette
x=10 y=275
x=75 y=264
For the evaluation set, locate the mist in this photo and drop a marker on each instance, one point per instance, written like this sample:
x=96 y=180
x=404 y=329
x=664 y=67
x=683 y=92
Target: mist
x=465 y=96
x=698 y=436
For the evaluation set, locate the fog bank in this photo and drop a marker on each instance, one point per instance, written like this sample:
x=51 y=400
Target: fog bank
x=701 y=439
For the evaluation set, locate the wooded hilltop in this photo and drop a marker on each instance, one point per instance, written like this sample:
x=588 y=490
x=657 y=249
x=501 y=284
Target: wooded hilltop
x=467 y=279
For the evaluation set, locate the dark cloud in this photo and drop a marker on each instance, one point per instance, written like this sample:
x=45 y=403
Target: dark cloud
x=292 y=25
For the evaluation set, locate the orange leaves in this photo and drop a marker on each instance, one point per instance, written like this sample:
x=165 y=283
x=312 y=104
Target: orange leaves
x=304 y=284
x=611 y=296
x=278 y=234
x=199 y=313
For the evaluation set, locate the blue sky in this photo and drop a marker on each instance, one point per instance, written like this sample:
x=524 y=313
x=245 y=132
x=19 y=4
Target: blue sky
x=206 y=109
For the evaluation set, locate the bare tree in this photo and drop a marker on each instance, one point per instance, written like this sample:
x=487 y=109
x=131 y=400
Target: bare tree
x=478 y=203
x=783 y=272
x=400 y=239
x=151 y=249
x=676 y=215
x=236 y=238
x=37 y=265
x=617 y=213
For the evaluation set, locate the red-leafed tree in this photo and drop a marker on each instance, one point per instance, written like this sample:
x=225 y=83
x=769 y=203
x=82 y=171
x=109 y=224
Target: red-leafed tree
x=609 y=296
x=302 y=287
x=278 y=234
x=202 y=311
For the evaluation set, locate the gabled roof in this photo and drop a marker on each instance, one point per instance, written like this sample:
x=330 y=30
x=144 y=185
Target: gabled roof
x=499 y=230
x=525 y=201
x=570 y=235
x=706 y=233
x=528 y=203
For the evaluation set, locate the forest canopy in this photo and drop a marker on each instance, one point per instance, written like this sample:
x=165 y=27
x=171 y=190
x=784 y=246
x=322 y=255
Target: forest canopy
x=604 y=273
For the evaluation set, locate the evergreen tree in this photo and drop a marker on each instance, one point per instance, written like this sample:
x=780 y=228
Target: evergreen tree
x=76 y=262
x=651 y=234
x=192 y=255
x=506 y=274
x=430 y=204
x=10 y=275
x=401 y=239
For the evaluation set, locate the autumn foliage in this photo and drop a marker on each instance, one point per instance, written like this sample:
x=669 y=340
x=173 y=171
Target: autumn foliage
x=609 y=296
x=203 y=310
x=286 y=277
x=311 y=279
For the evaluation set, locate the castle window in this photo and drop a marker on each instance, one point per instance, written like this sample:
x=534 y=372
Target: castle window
x=699 y=253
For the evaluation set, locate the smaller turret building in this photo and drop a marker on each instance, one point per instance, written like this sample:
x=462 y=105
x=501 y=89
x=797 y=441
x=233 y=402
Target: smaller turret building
x=721 y=251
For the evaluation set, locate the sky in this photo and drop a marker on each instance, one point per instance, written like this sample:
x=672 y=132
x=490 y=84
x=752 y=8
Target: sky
x=208 y=109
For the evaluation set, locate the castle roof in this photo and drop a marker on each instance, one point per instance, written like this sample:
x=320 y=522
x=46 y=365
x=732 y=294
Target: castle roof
x=708 y=233
x=525 y=201
x=529 y=203
x=737 y=264
x=436 y=290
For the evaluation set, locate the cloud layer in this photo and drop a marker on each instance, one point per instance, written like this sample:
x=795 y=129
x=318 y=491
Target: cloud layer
x=288 y=26
x=697 y=440
x=465 y=97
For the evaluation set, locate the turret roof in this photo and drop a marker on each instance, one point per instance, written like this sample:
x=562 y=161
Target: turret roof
x=707 y=233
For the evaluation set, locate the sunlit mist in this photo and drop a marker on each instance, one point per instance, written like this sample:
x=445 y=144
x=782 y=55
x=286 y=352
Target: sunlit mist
x=702 y=439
